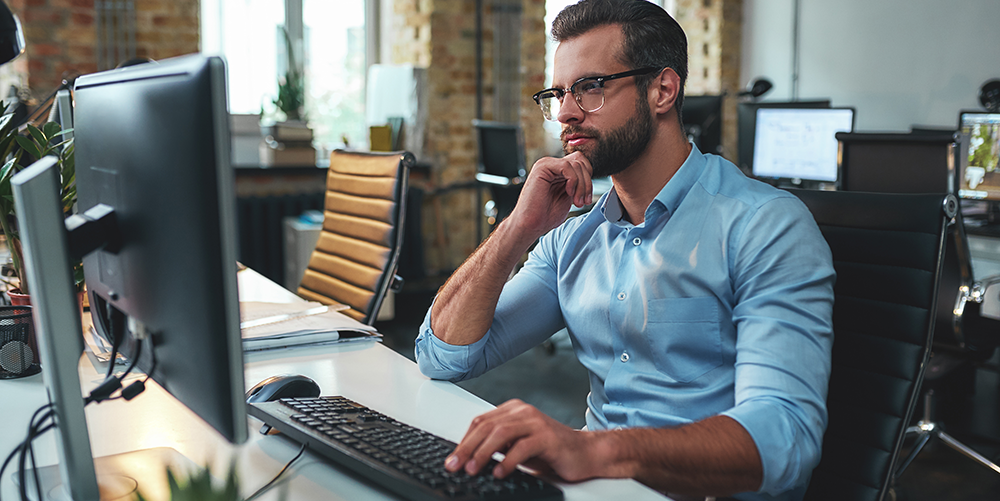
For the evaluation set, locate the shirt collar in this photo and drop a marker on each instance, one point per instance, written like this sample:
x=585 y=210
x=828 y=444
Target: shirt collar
x=669 y=197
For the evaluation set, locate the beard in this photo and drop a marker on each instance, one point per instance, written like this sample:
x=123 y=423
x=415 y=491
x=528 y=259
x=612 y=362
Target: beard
x=619 y=148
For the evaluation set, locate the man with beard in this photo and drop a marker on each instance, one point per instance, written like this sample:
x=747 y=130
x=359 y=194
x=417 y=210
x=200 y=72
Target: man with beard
x=698 y=300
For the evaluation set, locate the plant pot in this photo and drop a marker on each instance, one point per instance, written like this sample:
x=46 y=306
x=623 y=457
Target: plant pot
x=18 y=299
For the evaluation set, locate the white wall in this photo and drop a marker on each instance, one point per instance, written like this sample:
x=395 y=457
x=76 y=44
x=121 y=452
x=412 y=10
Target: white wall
x=898 y=62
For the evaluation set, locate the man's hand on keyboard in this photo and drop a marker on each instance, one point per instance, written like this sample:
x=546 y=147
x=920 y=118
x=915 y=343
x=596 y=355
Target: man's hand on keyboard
x=525 y=436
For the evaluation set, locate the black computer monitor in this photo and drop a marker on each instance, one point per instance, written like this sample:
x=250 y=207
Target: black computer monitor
x=979 y=161
x=798 y=146
x=152 y=144
x=746 y=124
x=702 y=117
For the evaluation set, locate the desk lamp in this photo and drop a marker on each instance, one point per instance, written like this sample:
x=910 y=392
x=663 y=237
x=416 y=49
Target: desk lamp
x=757 y=88
x=11 y=36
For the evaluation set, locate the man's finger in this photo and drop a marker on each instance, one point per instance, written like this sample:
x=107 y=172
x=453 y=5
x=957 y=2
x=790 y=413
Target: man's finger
x=477 y=432
x=480 y=429
x=582 y=177
x=520 y=452
x=499 y=439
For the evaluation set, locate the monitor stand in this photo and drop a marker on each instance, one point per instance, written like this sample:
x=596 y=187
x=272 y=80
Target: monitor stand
x=120 y=476
x=59 y=329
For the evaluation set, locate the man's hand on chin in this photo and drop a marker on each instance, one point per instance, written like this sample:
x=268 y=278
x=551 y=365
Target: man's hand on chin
x=525 y=436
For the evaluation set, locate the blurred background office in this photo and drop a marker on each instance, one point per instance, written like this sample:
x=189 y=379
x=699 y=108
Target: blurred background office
x=898 y=63
x=440 y=64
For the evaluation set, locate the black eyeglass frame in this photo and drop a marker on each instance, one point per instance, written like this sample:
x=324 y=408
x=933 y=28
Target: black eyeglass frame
x=560 y=94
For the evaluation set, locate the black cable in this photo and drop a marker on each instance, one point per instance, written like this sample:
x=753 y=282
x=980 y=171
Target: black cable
x=114 y=383
x=135 y=359
x=268 y=485
x=13 y=453
x=116 y=331
x=137 y=387
x=20 y=447
x=10 y=457
x=34 y=430
x=39 y=423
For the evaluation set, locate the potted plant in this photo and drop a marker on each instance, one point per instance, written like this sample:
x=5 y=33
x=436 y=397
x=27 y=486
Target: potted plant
x=200 y=487
x=17 y=151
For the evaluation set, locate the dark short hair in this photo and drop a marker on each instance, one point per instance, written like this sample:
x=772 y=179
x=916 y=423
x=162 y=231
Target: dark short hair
x=652 y=37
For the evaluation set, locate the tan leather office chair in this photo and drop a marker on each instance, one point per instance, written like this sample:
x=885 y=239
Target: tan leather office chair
x=355 y=259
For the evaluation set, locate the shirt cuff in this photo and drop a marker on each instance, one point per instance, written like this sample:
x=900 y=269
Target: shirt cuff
x=784 y=452
x=440 y=360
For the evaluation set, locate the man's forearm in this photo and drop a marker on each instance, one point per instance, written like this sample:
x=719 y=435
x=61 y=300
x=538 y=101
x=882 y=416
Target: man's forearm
x=714 y=457
x=464 y=307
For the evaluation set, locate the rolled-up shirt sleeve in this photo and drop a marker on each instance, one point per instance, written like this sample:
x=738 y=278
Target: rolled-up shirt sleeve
x=527 y=313
x=783 y=284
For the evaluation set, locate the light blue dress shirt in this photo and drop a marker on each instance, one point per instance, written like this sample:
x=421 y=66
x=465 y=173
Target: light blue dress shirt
x=720 y=302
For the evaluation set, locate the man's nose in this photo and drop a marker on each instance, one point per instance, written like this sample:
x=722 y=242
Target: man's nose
x=570 y=111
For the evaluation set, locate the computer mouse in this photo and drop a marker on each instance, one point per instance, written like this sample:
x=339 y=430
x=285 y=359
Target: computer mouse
x=283 y=386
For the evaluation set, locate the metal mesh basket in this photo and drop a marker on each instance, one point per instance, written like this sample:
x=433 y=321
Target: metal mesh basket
x=18 y=347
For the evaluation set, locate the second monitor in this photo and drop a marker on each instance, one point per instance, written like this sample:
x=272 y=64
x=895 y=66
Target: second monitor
x=798 y=145
x=702 y=116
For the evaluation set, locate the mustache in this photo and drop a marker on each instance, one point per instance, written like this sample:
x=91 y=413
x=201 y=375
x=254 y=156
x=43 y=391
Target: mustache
x=576 y=129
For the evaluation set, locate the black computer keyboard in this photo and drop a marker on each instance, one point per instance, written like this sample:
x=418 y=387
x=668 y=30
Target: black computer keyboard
x=403 y=459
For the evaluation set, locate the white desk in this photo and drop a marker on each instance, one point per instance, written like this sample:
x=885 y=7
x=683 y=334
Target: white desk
x=367 y=372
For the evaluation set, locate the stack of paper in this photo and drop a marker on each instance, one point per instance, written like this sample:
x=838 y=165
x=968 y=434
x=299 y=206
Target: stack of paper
x=282 y=325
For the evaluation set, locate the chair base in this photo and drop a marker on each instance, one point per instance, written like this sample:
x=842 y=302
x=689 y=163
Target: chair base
x=925 y=431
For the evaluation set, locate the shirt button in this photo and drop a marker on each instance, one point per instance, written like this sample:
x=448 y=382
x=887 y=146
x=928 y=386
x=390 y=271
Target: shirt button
x=636 y=241
x=621 y=296
x=624 y=356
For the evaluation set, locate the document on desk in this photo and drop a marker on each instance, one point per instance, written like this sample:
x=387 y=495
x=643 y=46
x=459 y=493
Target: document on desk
x=284 y=325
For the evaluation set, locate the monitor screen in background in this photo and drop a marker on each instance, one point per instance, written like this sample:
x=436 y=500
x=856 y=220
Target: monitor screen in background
x=746 y=123
x=799 y=144
x=979 y=175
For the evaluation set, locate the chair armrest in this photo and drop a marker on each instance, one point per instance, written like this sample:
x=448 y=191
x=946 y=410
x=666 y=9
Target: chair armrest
x=396 y=284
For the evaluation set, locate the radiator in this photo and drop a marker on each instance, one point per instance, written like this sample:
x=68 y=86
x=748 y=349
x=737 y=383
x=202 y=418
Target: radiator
x=261 y=240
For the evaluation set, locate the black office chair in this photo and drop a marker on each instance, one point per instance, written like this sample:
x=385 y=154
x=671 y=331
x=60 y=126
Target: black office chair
x=965 y=334
x=897 y=162
x=501 y=167
x=888 y=251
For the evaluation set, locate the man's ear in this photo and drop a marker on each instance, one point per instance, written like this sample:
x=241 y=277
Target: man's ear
x=663 y=91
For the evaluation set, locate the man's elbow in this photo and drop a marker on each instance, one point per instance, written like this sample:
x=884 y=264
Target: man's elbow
x=436 y=368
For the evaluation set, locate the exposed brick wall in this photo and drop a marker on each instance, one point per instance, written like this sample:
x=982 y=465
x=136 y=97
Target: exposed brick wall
x=62 y=36
x=166 y=28
x=441 y=36
x=713 y=28
x=61 y=40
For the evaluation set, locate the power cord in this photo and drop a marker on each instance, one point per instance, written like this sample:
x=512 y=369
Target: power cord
x=43 y=420
x=27 y=444
x=268 y=485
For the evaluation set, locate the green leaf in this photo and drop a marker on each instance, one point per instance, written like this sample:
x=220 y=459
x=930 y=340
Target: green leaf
x=62 y=133
x=38 y=135
x=50 y=129
x=28 y=146
x=7 y=171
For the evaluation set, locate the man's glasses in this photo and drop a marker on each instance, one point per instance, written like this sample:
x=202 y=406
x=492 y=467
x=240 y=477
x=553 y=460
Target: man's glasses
x=588 y=92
